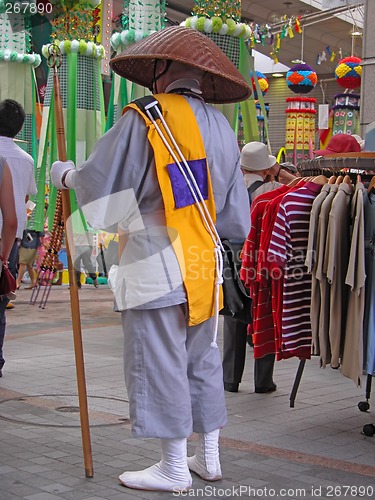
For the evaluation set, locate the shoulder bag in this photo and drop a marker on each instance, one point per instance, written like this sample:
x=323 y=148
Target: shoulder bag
x=7 y=280
x=237 y=300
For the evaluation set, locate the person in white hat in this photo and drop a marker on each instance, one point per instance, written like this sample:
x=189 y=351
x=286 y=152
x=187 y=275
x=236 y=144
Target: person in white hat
x=172 y=365
x=258 y=165
x=260 y=169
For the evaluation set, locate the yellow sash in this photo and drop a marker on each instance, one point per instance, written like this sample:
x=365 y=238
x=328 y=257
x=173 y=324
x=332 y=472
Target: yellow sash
x=190 y=238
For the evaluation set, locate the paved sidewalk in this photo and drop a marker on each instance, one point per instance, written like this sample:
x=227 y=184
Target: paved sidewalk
x=314 y=450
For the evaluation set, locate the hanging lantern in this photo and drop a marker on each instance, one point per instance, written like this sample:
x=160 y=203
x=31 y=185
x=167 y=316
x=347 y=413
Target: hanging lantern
x=263 y=83
x=348 y=72
x=301 y=78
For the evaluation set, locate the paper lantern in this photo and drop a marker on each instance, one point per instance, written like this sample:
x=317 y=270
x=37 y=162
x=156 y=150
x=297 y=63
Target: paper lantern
x=348 y=72
x=263 y=83
x=301 y=78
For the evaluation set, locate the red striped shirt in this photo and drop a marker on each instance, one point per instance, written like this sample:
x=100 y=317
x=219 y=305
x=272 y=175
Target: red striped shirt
x=288 y=248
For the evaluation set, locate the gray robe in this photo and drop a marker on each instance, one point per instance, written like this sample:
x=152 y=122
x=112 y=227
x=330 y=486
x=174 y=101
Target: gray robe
x=173 y=375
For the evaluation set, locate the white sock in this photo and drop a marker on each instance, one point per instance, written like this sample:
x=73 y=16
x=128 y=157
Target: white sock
x=170 y=474
x=206 y=461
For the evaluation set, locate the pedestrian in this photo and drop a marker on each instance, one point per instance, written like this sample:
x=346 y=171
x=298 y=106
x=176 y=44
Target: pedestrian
x=173 y=369
x=260 y=170
x=21 y=164
x=8 y=233
x=30 y=243
x=83 y=247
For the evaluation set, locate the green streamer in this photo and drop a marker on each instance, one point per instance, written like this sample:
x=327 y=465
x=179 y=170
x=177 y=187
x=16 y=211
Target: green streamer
x=41 y=178
x=71 y=124
x=101 y=96
x=124 y=99
x=71 y=114
x=248 y=109
x=260 y=96
x=111 y=108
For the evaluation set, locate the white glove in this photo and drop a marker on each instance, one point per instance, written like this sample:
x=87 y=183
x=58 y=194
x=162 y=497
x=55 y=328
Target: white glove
x=62 y=170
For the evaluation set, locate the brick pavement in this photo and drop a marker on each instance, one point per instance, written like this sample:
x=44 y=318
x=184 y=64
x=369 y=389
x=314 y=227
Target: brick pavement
x=267 y=448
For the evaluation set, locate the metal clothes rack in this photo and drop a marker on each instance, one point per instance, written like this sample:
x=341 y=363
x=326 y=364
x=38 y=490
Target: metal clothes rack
x=351 y=164
x=344 y=164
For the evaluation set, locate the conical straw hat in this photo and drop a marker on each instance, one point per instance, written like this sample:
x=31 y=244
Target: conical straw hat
x=223 y=83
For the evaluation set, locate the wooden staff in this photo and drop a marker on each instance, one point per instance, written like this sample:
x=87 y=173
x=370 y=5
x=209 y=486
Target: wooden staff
x=54 y=61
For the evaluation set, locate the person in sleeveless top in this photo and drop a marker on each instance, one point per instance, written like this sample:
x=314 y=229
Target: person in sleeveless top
x=8 y=233
x=260 y=171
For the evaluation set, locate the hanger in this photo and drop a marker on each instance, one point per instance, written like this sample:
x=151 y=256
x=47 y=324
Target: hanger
x=339 y=179
x=371 y=186
x=320 y=179
x=347 y=180
x=295 y=182
x=332 y=179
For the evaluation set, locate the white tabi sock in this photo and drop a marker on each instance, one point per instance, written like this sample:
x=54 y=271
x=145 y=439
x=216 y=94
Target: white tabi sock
x=206 y=462
x=170 y=474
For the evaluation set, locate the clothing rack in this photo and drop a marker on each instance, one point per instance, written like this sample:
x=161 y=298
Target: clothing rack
x=339 y=164
x=351 y=164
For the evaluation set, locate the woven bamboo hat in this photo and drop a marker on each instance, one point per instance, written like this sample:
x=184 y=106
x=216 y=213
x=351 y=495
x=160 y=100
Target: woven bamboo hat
x=222 y=82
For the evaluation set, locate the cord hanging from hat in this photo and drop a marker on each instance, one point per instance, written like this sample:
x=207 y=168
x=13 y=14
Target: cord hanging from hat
x=199 y=202
x=153 y=87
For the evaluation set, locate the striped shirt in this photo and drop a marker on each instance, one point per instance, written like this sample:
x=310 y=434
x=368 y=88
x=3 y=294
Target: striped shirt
x=262 y=325
x=267 y=272
x=287 y=248
x=21 y=166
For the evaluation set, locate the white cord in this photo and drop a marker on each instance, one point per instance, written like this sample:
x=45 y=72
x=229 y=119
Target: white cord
x=206 y=216
x=218 y=282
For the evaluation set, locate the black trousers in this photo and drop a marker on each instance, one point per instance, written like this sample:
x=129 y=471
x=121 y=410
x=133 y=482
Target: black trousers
x=234 y=354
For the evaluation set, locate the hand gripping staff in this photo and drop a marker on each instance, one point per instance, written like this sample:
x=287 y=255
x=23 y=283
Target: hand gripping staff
x=48 y=268
x=153 y=112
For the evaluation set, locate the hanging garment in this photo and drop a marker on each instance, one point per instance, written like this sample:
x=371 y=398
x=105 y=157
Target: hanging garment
x=335 y=267
x=269 y=275
x=325 y=288
x=262 y=325
x=311 y=261
x=288 y=249
x=352 y=359
x=369 y=314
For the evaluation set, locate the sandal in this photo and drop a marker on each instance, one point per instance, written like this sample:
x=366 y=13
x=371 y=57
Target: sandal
x=31 y=287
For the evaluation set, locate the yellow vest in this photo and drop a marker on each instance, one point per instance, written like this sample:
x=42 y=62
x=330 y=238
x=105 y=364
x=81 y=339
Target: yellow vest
x=190 y=238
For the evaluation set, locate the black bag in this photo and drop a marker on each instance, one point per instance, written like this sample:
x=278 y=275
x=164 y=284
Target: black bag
x=237 y=300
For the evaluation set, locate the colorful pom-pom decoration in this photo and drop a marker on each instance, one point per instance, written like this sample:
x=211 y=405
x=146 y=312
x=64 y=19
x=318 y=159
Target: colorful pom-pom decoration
x=348 y=72
x=301 y=78
x=263 y=83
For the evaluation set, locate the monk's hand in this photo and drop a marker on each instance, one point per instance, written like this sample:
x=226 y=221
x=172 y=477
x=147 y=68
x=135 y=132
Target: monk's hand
x=62 y=174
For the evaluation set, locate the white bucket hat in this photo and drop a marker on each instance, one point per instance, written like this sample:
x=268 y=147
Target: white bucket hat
x=255 y=157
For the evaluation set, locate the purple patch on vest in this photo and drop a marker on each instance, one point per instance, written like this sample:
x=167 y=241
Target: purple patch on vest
x=181 y=191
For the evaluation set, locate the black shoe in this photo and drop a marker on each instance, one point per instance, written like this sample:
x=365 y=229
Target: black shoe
x=1 y=373
x=249 y=341
x=231 y=387
x=262 y=390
